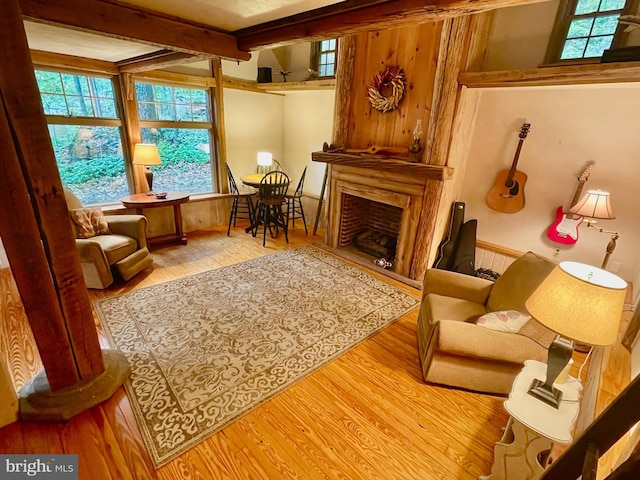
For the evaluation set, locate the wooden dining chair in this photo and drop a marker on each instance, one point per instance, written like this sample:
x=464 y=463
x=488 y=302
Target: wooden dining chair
x=294 y=203
x=242 y=205
x=269 y=212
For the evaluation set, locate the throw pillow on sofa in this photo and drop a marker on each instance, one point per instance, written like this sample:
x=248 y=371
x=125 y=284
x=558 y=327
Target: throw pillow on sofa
x=505 y=321
x=90 y=222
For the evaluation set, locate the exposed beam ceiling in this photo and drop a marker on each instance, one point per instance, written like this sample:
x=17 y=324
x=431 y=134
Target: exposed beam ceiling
x=353 y=16
x=173 y=26
x=155 y=61
x=145 y=26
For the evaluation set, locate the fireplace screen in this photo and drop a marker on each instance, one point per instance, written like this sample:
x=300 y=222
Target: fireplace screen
x=372 y=227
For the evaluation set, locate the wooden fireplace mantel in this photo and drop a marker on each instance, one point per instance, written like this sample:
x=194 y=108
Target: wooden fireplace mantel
x=393 y=164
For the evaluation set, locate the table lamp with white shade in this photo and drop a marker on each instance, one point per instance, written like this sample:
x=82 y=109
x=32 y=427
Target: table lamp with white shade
x=266 y=162
x=578 y=302
x=596 y=204
x=147 y=154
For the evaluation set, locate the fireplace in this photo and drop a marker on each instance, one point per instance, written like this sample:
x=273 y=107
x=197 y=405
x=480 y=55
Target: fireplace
x=371 y=227
x=386 y=196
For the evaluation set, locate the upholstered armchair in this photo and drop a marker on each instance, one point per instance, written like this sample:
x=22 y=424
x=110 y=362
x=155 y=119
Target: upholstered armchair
x=111 y=242
x=456 y=351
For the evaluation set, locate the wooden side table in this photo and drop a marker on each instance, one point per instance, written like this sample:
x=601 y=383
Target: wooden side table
x=139 y=201
x=533 y=426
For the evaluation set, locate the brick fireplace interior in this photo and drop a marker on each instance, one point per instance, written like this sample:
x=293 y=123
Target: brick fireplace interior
x=369 y=226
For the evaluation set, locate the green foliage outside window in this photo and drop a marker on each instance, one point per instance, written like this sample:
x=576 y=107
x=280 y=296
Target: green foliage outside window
x=90 y=162
x=186 y=161
x=591 y=28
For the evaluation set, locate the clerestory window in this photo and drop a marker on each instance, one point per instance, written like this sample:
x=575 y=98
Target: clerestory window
x=584 y=29
x=324 y=57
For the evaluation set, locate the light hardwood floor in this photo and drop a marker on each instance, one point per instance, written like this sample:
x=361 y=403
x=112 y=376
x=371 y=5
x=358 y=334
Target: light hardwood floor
x=366 y=415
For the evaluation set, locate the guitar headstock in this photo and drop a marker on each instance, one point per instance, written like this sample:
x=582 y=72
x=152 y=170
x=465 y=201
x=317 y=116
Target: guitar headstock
x=584 y=176
x=524 y=131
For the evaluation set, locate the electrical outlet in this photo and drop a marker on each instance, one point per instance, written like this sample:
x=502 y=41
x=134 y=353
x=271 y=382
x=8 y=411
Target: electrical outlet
x=615 y=267
x=556 y=255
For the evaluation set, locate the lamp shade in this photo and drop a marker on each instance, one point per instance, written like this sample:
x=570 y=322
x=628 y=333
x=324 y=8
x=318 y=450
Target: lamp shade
x=580 y=302
x=595 y=204
x=146 y=154
x=265 y=159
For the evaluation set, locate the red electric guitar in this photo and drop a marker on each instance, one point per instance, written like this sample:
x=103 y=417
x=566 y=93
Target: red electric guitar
x=565 y=228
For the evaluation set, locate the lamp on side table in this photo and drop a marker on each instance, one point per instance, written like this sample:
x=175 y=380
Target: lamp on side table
x=579 y=302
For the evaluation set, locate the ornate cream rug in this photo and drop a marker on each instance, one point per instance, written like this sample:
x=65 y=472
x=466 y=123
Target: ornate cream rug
x=208 y=348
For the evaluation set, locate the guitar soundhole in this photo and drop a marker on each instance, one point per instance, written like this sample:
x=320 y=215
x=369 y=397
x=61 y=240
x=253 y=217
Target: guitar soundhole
x=514 y=189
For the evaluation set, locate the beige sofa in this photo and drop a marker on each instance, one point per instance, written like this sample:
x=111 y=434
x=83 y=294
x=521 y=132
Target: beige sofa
x=455 y=351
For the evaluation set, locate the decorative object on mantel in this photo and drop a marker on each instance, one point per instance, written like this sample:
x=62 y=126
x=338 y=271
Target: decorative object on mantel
x=415 y=147
x=373 y=150
x=387 y=89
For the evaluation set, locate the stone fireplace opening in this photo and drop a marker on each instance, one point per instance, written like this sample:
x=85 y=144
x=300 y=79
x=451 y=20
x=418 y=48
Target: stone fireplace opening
x=369 y=226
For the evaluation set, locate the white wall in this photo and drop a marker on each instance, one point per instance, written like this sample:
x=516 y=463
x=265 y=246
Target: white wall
x=253 y=123
x=520 y=35
x=570 y=126
x=308 y=120
x=244 y=70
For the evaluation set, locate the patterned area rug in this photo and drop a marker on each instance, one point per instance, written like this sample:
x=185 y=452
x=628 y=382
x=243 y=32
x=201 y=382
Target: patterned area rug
x=208 y=348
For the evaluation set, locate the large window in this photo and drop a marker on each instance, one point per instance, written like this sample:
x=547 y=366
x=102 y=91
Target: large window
x=324 y=57
x=86 y=134
x=585 y=29
x=178 y=121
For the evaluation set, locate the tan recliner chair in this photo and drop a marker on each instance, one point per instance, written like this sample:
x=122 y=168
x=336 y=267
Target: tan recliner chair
x=125 y=249
x=455 y=351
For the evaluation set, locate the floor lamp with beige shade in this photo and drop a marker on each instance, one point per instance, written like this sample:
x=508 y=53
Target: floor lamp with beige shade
x=578 y=302
x=594 y=205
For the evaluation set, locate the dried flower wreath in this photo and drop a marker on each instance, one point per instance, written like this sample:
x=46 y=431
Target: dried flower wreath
x=387 y=89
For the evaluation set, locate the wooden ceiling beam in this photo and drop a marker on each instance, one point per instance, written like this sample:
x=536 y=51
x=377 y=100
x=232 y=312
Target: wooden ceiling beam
x=355 y=16
x=71 y=62
x=156 y=60
x=133 y=23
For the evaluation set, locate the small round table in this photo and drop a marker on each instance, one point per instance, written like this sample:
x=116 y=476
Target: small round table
x=252 y=179
x=139 y=201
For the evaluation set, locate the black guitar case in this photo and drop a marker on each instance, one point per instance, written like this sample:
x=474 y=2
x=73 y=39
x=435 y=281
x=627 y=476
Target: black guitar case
x=464 y=260
x=447 y=248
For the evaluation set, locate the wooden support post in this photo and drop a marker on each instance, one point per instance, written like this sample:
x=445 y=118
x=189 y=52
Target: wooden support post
x=451 y=59
x=132 y=132
x=34 y=223
x=219 y=141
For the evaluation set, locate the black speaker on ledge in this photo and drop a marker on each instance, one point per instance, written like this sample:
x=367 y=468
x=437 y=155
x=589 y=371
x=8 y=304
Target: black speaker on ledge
x=264 y=75
x=622 y=54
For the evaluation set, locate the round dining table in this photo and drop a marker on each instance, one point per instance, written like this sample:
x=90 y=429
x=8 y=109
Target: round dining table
x=252 y=179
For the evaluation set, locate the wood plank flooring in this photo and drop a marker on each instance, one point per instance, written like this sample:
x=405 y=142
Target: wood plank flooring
x=366 y=415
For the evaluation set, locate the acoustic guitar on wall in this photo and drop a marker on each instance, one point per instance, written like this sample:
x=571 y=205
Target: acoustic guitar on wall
x=565 y=227
x=507 y=193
